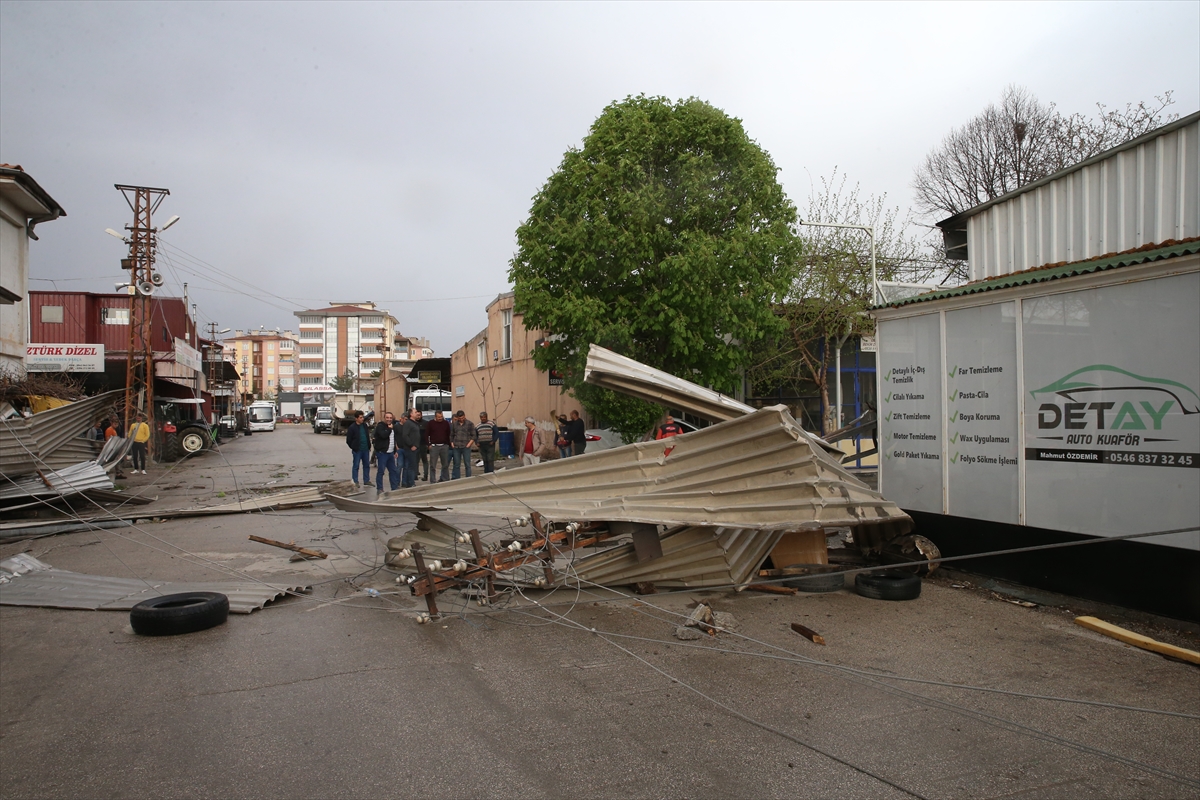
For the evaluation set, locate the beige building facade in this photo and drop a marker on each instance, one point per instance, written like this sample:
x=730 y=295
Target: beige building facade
x=265 y=360
x=494 y=372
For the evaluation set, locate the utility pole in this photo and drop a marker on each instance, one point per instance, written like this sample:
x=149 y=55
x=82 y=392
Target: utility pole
x=139 y=367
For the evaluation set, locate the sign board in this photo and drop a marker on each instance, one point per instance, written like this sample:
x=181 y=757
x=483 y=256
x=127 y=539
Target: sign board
x=982 y=431
x=1112 y=408
x=429 y=376
x=315 y=388
x=1072 y=411
x=64 y=357
x=187 y=356
x=868 y=344
x=910 y=409
x=556 y=378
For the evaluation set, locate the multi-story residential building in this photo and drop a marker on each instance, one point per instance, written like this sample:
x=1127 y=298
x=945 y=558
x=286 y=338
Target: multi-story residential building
x=494 y=372
x=265 y=359
x=344 y=336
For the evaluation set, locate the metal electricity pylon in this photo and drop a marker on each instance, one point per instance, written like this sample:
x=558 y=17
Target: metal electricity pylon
x=139 y=369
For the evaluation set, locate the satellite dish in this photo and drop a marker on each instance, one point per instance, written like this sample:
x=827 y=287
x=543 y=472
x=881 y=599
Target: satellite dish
x=145 y=288
x=156 y=278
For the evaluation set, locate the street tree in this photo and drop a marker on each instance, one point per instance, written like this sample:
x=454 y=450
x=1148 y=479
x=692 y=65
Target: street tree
x=667 y=238
x=1021 y=140
x=343 y=382
x=827 y=302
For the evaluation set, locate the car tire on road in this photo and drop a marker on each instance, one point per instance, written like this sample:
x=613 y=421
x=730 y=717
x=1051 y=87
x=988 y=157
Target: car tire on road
x=888 y=585
x=173 y=614
x=821 y=578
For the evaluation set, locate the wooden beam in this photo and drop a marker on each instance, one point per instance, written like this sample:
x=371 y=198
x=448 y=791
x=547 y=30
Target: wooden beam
x=808 y=633
x=304 y=551
x=1137 y=640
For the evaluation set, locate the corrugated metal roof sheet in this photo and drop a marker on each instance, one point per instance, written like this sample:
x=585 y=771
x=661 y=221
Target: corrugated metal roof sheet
x=1143 y=191
x=48 y=430
x=1052 y=272
x=25 y=581
x=759 y=471
x=612 y=371
x=692 y=557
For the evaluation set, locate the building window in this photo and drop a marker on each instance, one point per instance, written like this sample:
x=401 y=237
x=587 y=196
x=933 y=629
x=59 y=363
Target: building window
x=52 y=314
x=270 y=347
x=506 y=334
x=114 y=316
x=481 y=354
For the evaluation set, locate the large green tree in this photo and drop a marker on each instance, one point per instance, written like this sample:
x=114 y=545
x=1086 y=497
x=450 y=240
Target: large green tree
x=666 y=238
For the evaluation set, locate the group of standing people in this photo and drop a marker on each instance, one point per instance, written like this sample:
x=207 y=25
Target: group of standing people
x=438 y=449
x=569 y=437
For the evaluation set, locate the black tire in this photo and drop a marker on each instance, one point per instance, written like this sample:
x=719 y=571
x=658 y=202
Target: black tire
x=888 y=585
x=821 y=578
x=192 y=441
x=171 y=451
x=172 y=614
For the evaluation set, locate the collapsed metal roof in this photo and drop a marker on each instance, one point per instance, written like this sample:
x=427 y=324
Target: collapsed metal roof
x=612 y=371
x=26 y=442
x=760 y=471
x=620 y=374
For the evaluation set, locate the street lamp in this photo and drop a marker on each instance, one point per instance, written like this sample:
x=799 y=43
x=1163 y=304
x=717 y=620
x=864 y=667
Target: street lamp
x=870 y=231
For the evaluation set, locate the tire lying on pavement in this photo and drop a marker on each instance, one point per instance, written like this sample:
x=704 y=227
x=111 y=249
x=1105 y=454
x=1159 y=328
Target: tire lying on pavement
x=888 y=585
x=821 y=578
x=172 y=614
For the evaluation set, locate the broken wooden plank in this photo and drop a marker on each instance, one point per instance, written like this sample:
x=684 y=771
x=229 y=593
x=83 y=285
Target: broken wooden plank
x=808 y=633
x=770 y=588
x=296 y=548
x=1137 y=640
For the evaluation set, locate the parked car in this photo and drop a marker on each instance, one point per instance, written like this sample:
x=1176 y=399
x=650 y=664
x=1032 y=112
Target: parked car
x=228 y=424
x=290 y=419
x=323 y=420
x=606 y=438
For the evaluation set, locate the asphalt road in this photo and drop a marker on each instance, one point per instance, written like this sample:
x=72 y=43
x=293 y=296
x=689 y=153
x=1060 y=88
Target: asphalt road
x=340 y=694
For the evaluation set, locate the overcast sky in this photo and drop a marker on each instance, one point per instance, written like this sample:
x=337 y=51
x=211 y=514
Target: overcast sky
x=388 y=151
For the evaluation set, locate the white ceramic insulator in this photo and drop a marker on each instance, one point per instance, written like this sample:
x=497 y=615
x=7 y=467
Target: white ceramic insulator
x=522 y=522
x=405 y=553
x=436 y=566
x=460 y=566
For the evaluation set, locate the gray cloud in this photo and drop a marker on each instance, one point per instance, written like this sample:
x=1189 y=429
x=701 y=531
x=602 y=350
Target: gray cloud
x=388 y=151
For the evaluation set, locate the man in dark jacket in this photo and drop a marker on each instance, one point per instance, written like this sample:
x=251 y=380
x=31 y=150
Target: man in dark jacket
x=462 y=439
x=359 y=442
x=485 y=436
x=386 y=443
x=410 y=440
x=577 y=433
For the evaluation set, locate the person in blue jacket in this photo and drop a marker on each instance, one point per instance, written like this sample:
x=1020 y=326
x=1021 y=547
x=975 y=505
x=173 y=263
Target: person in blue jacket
x=358 y=439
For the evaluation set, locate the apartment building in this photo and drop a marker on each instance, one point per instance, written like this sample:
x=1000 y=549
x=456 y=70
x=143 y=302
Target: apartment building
x=344 y=336
x=494 y=372
x=265 y=360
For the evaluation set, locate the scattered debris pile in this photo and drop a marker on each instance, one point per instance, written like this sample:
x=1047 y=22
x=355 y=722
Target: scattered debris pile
x=700 y=509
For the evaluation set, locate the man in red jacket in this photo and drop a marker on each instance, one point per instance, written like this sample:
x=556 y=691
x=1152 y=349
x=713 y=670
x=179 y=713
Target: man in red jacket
x=437 y=436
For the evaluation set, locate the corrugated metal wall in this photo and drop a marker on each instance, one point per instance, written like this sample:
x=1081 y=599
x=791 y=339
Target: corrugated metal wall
x=1146 y=194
